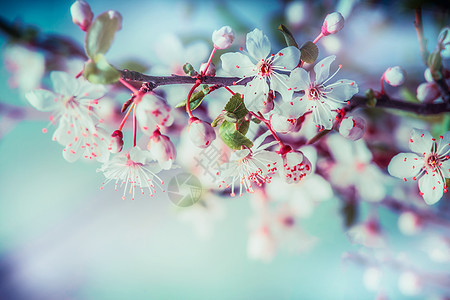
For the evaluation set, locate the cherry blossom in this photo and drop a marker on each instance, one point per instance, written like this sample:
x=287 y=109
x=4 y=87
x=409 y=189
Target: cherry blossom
x=73 y=103
x=295 y=166
x=429 y=164
x=354 y=168
x=248 y=166
x=152 y=111
x=162 y=148
x=268 y=71
x=134 y=168
x=319 y=98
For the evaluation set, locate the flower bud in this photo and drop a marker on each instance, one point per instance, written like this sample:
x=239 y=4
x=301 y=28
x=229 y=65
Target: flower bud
x=269 y=104
x=352 y=128
x=333 y=23
x=427 y=75
x=116 y=144
x=427 y=92
x=394 y=76
x=162 y=148
x=201 y=133
x=223 y=38
x=81 y=14
x=295 y=166
x=211 y=69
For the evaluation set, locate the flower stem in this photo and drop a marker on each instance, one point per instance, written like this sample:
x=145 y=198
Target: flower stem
x=209 y=60
x=318 y=38
x=188 y=100
x=126 y=116
x=228 y=89
x=134 y=126
x=382 y=91
x=269 y=126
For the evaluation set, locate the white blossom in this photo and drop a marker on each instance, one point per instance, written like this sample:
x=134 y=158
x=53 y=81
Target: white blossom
x=248 y=166
x=162 y=149
x=429 y=164
x=134 y=168
x=201 y=133
x=319 y=98
x=333 y=23
x=267 y=71
x=352 y=127
x=394 y=76
x=153 y=112
x=73 y=104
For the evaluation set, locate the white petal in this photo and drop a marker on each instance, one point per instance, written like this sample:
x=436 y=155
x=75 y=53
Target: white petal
x=341 y=149
x=65 y=133
x=238 y=64
x=139 y=156
x=280 y=83
x=405 y=165
x=300 y=106
x=258 y=45
x=64 y=83
x=322 y=115
x=341 y=90
x=89 y=91
x=260 y=139
x=71 y=155
x=42 y=100
x=444 y=144
x=421 y=141
x=322 y=69
x=445 y=168
x=256 y=92
x=362 y=153
x=300 y=79
x=432 y=188
x=287 y=58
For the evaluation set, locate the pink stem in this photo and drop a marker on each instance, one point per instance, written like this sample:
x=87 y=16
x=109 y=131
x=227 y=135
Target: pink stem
x=209 y=60
x=318 y=38
x=126 y=116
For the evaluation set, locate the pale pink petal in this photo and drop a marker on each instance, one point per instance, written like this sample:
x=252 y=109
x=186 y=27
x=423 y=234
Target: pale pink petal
x=258 y=45
x=300 y=106
x=421 y=141
x=43 y=100
x=89 y=91
x=444 y=144
x=70 y=154
x=322 y=69
x=256 y=92
x=139 y=156
x=287 y=58
x=341 y=90
x=300 y=79
x=322 y=115
x=405 y=165
x=431 y=187
x=63 y=83
x=445 y=168
x=238 y=64
x=280 y=83
x=66 y=133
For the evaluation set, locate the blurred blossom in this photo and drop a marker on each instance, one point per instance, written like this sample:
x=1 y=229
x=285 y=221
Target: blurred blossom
x=409 y=283
x=261 y=245
x=372 y=278
x=395 y=76
x=353 y=167
x=409 y=223
x=427 y=92
x=297 y=13
x=368 y=234
x=27 y=67
x=437 y=248
x=332 y=44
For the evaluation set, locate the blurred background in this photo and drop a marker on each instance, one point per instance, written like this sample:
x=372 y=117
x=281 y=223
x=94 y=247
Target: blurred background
x=61 y=237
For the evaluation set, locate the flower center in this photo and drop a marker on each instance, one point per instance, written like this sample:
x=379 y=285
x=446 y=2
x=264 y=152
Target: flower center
x=431 y=162
x=264 y=68
x=314 y=93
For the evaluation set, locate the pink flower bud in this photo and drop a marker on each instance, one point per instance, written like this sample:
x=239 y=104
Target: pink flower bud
x=333 y=23
x=394 y=76
x=352 y=128
x=211 y=69
x=81 y=14
x=427 y=92
x=269 y=104
x=162 y=148
x=116 y=144
x=223 y=38
x=295 y=166
x=201 y=133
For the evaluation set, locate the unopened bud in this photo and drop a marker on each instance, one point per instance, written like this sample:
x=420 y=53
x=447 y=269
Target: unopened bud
x=116 y=15
x=268 y=105
x=188 y=69
x=162 y=148
x=116 y=144
x=223 y=38
x=282 y=124
x=201 y=133
x=81 y=14
x=353 y=128
x=211 y=69
x=427 y=92
x=333 y=23
x=394 y=76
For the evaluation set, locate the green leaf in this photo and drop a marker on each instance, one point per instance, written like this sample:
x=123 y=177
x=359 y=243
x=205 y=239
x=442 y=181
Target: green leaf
x=196 y=98
x=233 y=138
x=230 y=117
x=290 y=41
x=101 y=33
x=309 y=52
x=188 y=69
x=242 y=126
x=236 y=106
x=217 y=121
x=99 y=71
